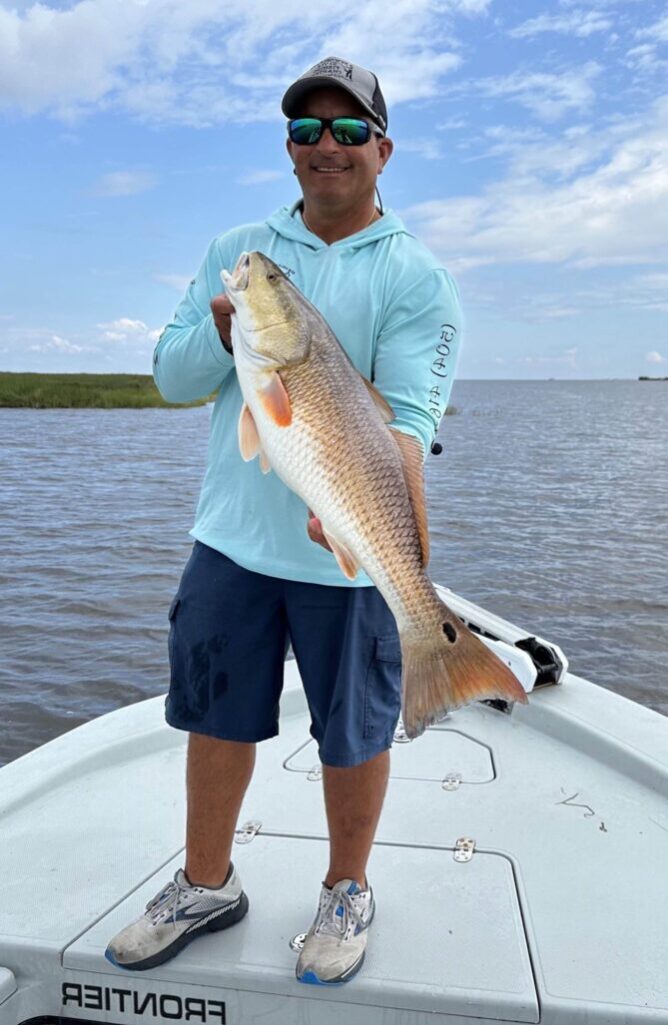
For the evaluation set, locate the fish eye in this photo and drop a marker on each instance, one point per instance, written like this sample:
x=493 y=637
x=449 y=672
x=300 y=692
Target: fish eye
x=272 y=276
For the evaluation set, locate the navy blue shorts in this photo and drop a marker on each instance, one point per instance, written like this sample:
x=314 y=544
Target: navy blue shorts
x=229 y=634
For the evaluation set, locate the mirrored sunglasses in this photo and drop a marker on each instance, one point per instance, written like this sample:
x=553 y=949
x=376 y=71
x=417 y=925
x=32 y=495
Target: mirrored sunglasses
x=348 y=131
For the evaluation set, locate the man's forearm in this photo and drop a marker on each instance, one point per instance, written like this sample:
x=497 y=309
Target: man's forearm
x=190 y=362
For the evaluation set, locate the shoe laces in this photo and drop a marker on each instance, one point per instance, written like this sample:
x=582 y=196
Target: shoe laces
x=332 y=923
x=168 y=901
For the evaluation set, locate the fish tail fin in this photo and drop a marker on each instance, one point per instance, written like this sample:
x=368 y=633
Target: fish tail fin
x=449 y=670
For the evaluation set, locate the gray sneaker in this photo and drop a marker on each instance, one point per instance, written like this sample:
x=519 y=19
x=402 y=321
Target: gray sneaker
x=177 y=914
x=335 y=944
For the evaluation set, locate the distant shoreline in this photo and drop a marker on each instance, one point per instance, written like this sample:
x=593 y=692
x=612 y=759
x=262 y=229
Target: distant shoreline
x=84 y=391
x=28 y=390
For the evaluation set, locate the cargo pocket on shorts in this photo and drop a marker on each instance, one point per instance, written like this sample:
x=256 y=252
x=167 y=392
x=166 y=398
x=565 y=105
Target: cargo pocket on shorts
x=176 y=705
x=382 y=693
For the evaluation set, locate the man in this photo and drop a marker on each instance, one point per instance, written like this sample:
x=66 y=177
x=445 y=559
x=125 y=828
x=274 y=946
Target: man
x=255 y=580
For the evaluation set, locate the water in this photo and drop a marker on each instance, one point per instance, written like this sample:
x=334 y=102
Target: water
x=548 y=507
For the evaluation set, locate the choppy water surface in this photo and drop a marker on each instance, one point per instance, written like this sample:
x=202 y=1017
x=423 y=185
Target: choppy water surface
x=548 y=507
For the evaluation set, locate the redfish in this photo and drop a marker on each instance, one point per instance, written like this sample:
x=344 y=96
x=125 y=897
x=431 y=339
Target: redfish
x=324 y=429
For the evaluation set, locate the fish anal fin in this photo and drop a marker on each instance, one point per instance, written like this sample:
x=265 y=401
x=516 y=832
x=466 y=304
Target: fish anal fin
x=265 y=465
x=384 y=408
x=249 y=439
x=276 y=401
x=343 y=555
x=412 y=459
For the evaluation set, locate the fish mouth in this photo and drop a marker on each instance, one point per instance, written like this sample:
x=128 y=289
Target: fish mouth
x=238 y=280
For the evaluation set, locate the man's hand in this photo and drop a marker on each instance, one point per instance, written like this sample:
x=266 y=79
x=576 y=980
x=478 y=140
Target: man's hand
x=314 y=530
x=222 y=310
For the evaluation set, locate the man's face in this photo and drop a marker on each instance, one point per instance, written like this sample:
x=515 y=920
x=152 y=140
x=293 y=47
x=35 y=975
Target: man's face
x=357 y=167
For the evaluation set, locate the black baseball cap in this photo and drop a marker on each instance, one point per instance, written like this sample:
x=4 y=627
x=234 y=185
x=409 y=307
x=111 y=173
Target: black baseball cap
x=357 y=81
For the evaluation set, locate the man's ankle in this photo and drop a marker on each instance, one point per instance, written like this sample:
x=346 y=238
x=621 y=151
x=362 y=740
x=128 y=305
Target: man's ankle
x=208 y=880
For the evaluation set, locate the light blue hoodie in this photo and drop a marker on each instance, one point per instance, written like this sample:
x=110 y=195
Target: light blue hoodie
x=396 y=312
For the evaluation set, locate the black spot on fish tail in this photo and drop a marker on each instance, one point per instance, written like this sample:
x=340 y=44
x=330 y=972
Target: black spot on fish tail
x=450 y=632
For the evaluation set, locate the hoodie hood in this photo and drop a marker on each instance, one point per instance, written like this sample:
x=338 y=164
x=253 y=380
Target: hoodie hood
x=287 y=221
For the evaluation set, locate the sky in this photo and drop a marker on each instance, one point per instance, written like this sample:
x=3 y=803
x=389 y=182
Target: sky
x=531 y=156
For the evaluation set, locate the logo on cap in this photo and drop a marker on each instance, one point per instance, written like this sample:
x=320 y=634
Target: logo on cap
x=333 y=66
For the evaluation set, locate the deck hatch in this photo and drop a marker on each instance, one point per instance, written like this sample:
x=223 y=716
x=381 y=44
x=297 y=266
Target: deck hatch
x=440 y=753
x=463 y=953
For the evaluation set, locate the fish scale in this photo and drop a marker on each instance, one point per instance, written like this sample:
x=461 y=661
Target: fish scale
x=361 y=496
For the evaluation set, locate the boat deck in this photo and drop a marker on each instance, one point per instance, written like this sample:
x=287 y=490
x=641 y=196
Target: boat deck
x=559 y=916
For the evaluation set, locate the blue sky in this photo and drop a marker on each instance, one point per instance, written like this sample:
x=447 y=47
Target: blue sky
x=531 y=155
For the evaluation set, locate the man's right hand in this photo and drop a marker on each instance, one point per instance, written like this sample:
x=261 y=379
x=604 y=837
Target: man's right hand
x=222 y=310
x=315 y=532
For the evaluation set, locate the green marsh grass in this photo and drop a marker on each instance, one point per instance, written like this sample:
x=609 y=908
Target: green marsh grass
x=81 y=391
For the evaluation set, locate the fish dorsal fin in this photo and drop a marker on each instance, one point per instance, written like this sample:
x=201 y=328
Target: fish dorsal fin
x=384 y=407
x=344 y=556
x=249 y=439
x=412 y=458
x=276 y=400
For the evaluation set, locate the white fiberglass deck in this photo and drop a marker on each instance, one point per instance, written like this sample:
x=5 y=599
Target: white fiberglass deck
x=559 y=916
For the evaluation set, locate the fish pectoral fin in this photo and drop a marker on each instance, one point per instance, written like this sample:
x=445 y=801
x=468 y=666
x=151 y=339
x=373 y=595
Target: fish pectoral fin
x=384 y=408
x=345 y=558
x=412 y=459
x=249 y=439
x=276 y=400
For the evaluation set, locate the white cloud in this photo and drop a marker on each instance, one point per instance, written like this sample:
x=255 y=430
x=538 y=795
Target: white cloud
x=427 y=148
x=203 y=64
x=643 y=58
x=656 y=357
x=635 y=292
x=611 y=209
x=548 y=95
x=571 y=295
x=451 y=124
x=57 y=344
x=580 y=23
x=567 y=358
x=125 y=329
x=42 y=349
x=66 y=56
x=658 y=32
x=124 y=183
x=646 y=58
x=125 y=324
x=259 y=177
x=469 y=6
x=179 y=282
x=645 y=292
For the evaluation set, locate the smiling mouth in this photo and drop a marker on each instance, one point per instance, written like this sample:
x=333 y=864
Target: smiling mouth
x=330 y=170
